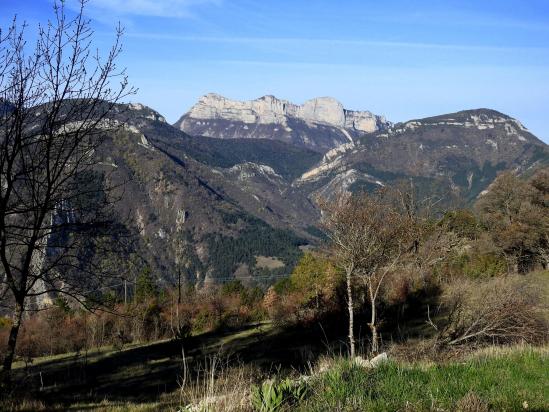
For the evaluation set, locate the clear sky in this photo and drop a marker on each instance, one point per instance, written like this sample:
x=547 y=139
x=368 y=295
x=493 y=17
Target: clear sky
x=402 y=59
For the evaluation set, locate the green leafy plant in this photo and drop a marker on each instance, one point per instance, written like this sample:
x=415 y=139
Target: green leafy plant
x=296 y=391
x=266 y=397
x=270 y=395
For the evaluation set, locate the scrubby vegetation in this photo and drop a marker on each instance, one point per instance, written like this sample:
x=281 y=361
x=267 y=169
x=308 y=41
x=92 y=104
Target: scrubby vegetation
x=153 y=315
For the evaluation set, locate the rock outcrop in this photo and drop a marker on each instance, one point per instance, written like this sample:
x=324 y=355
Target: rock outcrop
x=321 y=123
x=270 y=110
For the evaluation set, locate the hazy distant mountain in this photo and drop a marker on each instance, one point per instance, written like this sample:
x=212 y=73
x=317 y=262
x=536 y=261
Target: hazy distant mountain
x=319 y=124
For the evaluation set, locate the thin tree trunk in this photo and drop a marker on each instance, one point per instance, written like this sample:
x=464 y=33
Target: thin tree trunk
x=12 y=341
x=372 y=324
x=351 y=312
x=179 y=287
x=375 y=338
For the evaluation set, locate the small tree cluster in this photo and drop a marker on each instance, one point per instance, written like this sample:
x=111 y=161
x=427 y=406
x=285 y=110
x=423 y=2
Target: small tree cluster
x=369 y=235
x=150 y=315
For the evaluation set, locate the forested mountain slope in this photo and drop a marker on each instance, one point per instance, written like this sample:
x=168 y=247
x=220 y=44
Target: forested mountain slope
x=208 y=207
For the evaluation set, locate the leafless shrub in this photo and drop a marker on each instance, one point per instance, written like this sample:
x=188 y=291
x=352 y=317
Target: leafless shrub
x=420 y=350
x=500 y=310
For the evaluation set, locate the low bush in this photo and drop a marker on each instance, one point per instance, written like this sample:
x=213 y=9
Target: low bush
x=309 y=293
x=477 y=265
x=500 y=310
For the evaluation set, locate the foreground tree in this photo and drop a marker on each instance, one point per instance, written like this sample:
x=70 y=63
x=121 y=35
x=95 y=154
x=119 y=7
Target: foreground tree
x=341 y=220
x=369 y=236
x=55 y=203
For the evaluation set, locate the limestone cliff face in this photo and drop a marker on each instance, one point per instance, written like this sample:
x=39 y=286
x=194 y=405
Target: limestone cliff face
x=321 y=123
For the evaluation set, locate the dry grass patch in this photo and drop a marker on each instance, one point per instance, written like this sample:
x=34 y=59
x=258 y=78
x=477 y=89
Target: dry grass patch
x=268 y=262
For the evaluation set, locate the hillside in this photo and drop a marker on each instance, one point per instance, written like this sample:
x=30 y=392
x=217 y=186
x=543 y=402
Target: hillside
x=209 y=206
x=457 y=154
x=121 y=380
x=191 y=217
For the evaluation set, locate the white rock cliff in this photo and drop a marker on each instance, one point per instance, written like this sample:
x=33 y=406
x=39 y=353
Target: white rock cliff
x=270 y=110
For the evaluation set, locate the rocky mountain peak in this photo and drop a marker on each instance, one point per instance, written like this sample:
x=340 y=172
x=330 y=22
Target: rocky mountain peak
x=271 y=110
x=485 y=122
x=324 y=110
x=320 y=124
x=473 y=116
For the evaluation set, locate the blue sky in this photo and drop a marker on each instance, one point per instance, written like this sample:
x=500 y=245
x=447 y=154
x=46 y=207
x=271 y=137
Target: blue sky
x=402 y=59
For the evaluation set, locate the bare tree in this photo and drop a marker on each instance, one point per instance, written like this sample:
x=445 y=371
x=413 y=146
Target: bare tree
x=368 y=235
x=54 y=199
x=430 y=239
x=386 y=238
x=340 y=219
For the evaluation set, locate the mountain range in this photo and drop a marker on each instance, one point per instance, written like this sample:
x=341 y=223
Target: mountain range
x=233 y=184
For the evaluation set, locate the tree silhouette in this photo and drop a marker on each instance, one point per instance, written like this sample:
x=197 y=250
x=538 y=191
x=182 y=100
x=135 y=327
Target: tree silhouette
x=55 y=202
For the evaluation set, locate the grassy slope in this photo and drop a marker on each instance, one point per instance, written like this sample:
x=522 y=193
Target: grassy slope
x=502 y=380
x=499 y=379
x=141 y=374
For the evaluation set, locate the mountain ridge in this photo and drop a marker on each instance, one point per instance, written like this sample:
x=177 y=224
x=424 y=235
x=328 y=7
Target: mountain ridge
x=270 y=109
x=277 y=119
x=463 y=149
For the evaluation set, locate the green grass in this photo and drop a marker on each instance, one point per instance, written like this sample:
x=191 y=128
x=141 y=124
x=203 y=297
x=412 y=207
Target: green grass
x=503 y=381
